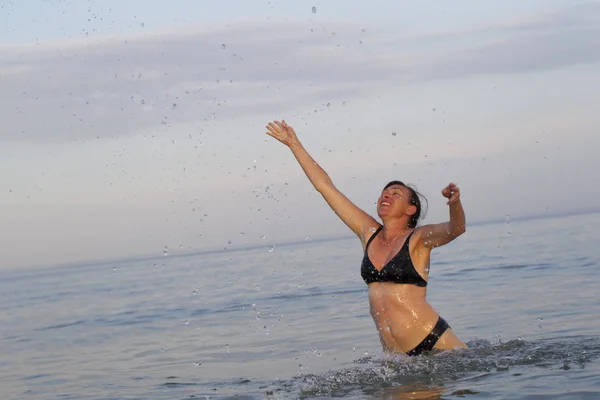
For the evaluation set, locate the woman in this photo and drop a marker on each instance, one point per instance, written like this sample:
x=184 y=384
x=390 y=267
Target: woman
x=395 y=265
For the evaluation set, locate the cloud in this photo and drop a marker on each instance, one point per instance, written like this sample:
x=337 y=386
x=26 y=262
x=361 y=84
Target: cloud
x=521 y=54
x=84 y=89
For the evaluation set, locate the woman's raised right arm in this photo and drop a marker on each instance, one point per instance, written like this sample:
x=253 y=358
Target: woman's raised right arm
x=356 y=219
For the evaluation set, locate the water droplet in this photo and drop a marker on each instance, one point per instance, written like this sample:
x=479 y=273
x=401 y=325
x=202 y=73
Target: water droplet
x=142 y=25
x=227 y=347
x=166 y=251
x=271 y=249
x=114 y=269
x=174 y=106
x=197 y=364
x=229 y=242
x=223 y=47
x=507 y=218
x=314 y=10
x=393 y=133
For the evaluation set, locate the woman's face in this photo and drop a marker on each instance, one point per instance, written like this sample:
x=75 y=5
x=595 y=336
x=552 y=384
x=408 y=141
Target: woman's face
x=394 y=201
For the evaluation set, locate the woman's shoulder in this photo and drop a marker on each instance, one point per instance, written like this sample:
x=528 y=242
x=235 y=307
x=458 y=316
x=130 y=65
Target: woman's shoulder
x=418 y=235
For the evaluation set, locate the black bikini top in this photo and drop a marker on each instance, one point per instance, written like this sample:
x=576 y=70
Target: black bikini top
x=399 y=269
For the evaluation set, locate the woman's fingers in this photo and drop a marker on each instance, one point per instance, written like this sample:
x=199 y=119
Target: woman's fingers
x=274 y=129
x=454 y=197
x=452 y=192
x=276 y=126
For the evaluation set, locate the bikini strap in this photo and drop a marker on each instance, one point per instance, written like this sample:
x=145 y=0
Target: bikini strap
x=407 y=241
x=373 y=237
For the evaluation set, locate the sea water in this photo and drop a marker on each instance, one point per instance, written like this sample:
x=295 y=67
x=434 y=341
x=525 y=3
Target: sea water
x=293 y=321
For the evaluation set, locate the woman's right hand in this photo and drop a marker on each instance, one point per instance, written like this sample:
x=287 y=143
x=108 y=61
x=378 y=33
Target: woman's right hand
x=282 y=132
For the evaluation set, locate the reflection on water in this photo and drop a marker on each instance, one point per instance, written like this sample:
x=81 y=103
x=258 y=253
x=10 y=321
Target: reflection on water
x=413 y=390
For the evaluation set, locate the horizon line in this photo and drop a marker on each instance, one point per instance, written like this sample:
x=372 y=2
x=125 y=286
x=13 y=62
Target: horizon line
x=249 y=247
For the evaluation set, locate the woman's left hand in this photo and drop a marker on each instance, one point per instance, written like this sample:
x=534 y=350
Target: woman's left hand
x=452 y=193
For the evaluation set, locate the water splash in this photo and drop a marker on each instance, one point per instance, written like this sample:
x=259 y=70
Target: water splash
x=446 y=370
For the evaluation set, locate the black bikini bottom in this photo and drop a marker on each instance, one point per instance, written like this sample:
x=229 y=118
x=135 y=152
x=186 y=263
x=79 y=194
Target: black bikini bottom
x=431 y=339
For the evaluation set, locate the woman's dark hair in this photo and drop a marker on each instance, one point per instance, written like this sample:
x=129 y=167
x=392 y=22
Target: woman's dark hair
x=414 y=200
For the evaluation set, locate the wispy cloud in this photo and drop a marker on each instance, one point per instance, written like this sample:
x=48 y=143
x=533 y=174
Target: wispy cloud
x=118 y=86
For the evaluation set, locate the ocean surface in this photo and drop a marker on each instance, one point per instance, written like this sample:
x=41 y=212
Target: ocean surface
x=292 y=322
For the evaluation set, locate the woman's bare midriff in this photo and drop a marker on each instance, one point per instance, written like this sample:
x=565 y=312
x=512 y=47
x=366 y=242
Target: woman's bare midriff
x=402 y=315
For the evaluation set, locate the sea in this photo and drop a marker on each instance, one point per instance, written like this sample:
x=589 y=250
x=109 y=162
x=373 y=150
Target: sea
x=291 y=321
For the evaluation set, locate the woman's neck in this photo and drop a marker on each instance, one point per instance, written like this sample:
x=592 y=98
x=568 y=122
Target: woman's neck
x=392 y=230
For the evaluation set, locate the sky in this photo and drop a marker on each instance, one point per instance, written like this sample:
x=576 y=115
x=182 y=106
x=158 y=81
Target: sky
x=136 y=128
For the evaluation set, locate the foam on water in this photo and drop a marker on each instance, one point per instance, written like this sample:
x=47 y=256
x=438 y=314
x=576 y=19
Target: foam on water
x=445 y=372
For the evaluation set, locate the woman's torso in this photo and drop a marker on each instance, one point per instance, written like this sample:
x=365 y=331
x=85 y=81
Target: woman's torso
x=397 y=279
